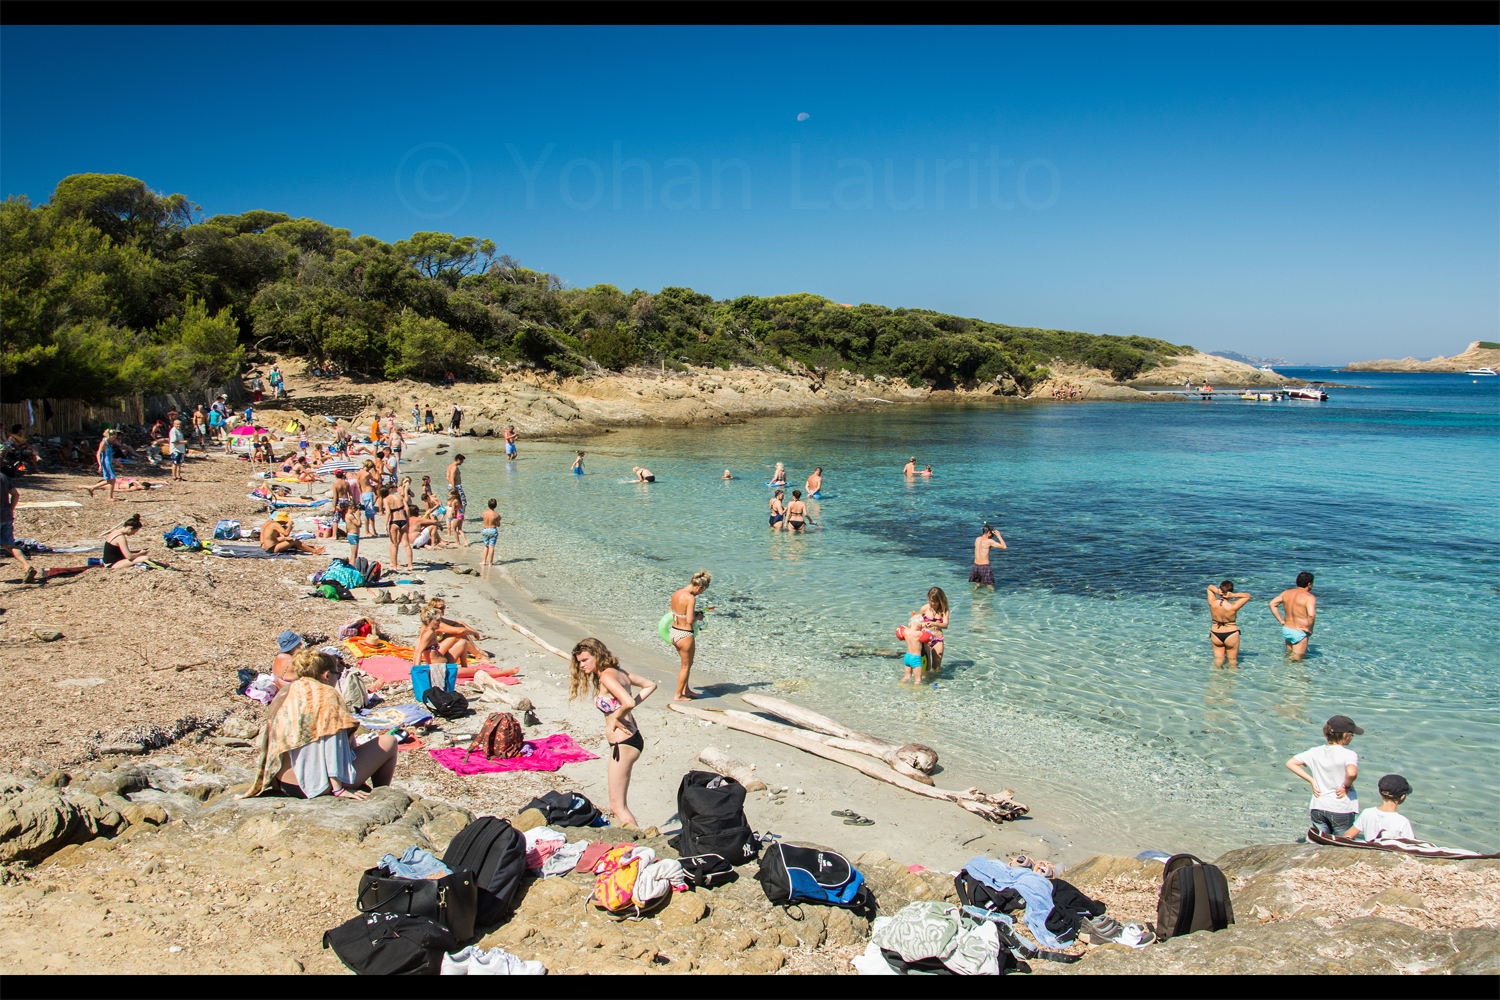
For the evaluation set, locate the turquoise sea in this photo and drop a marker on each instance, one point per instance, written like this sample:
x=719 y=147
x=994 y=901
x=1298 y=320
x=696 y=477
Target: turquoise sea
x=1085 y=680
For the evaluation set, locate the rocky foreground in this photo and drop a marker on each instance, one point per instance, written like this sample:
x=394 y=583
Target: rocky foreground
x=1473 y=356
x=159 y=868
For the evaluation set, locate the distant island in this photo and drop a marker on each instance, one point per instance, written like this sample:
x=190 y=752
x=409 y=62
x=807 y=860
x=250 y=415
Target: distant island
x=1479 y=354
x=1248 y=360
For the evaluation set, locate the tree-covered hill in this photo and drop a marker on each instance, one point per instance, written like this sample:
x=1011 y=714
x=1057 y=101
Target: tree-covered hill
x=112 y=288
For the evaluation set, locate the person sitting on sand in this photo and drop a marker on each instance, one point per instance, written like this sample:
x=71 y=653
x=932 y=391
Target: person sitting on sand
x=448 y=639
x=1383 y=820
x=287 y=644
x=276 y=536
x=685 y=616
x=425 y=532
x=1223 y=632
x=593 y=664
x=16 y=444
x=68 y=454
x=117 y=551
x=308 y=750
x=105 y=457
x=910 y=468
x=490 y=533
x=643 y=475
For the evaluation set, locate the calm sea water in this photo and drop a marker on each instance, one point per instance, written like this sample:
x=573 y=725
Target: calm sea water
x=1085 y=680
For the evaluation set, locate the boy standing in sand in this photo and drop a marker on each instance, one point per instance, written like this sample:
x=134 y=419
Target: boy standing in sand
x=489 y=534
x=988 y=539
x=1334 y=767
x=1301 y=614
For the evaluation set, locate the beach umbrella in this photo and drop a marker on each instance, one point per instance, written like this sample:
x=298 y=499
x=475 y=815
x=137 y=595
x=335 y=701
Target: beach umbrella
x=247 y=430
x=337 y=465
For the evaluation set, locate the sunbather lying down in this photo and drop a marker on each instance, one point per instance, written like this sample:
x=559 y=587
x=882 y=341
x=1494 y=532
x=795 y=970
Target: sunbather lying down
x=131 y=485
x=275 y=536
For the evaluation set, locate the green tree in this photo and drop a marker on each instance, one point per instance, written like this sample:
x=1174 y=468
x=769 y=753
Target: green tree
x=615 y=346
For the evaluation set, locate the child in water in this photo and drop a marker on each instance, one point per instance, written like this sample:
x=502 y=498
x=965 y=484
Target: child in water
x=923 y=636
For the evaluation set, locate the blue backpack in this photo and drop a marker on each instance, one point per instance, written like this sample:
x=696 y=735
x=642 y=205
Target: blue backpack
x=180 y=537
x=791 y=874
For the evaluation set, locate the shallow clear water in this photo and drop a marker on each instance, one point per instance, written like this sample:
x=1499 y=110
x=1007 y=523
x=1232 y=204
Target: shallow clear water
x=1085 y=679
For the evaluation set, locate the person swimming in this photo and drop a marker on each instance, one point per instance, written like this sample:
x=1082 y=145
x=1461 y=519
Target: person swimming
x=726 y=475
x=643 y=475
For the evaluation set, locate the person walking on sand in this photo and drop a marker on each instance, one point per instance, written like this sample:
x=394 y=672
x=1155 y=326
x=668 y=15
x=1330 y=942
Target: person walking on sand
x=104 y=458
x=276 y=537
x=910 y=468
x=610 y=684
x=815 y=484
x=1223 y=632
x=429 y=423
x=456 y=419
x=510 y=442
x=489 y=533
x=685 y=616
x=988 y=539
x=200 y=427
x=456 y=478
x=1301 y=614
x=9 y=497
x=578 y=465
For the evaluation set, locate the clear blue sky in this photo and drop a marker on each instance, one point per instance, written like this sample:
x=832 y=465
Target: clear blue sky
x=1326 y=195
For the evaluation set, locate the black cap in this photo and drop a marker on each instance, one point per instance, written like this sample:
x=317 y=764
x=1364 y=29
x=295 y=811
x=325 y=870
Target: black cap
x=1344 y=724
x=1394 y=786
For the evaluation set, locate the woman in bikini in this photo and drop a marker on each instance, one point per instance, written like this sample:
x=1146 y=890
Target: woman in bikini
x=778 y=478
x=778 y=512
x=117 y=551
x=685 y=615
x=396 y=517
x=1223 y=632
x=610 y=684
x=796 y=512
x=933 y=617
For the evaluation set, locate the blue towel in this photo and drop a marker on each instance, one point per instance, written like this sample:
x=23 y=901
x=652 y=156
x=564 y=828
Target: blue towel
x=1036 y=890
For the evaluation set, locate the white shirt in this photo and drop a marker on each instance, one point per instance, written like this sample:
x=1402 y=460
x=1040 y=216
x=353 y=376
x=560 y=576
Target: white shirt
x=1327 y=764
x=178 y=441
x=1373 y=823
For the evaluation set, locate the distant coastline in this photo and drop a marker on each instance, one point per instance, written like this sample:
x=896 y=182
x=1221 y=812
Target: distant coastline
x=1479 y=354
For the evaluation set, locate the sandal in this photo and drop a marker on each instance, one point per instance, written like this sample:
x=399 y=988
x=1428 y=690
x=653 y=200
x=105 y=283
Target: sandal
x=845 y=813
x=859 y=821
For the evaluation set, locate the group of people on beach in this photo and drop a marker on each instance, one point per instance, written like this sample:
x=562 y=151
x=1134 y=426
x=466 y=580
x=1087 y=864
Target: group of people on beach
x=1296 y=608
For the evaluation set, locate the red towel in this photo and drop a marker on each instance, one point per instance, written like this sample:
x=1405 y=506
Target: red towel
x=547 y=754
x=398 y=668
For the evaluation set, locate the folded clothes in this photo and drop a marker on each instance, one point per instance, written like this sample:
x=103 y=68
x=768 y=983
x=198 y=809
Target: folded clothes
x=564 y=858
x=546 y=755
x=410 y=714
x=414 y=863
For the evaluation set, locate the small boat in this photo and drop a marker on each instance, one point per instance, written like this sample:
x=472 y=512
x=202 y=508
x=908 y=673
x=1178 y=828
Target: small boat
x=1262 y=396
x=1308 y=392
x=1481 y=371
x=1266 y=368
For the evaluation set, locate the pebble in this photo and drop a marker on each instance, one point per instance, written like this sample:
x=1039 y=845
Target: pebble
x=174 y=949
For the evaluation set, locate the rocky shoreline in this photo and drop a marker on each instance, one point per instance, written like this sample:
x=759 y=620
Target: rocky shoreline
x=1473 y=356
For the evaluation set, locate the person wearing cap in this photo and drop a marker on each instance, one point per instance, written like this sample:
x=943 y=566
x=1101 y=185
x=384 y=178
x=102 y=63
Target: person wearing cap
x=1383 y=820
x=1333 y=768
x=276 y=536
x=288 y=643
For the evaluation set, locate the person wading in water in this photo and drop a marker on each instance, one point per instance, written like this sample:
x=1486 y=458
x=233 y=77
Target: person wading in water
x=988 y=539
x=1223 y=632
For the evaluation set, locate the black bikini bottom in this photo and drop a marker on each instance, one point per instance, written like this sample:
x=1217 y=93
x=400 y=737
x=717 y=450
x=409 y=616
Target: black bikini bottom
x=636 y=740
x=1223 y=637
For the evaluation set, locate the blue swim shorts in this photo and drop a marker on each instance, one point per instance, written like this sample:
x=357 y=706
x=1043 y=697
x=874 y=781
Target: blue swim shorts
x=367 y=501
x=489 y=535
x=913 y=660
x=1292 y=635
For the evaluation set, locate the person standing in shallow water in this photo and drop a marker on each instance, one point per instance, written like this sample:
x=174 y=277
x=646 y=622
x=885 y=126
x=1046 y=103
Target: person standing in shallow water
x=1223 y=632
x=988 y=539
x=685 y=616
x=1301 y=614
x=490 y=533
x=815 y=484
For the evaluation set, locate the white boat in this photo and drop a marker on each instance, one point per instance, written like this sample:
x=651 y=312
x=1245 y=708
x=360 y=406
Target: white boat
x=1481 y=371
x=1307 y=392
x=1266 y=368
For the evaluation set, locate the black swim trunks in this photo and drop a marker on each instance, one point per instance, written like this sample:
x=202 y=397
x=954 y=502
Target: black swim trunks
x=982 y=574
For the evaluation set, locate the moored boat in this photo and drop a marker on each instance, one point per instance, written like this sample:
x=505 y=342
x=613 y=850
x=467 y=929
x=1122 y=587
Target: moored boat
x=1481 y=371
x=1308 y=392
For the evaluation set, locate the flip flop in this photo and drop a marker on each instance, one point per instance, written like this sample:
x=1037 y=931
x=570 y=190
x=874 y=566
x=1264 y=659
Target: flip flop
x=859 y=821
x=846 y=813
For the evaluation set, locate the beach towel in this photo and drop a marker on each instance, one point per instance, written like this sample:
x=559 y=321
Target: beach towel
x=410 y=714
x=363 y=646
x=398 y=668
x=36 y=504
x=53 y=572
x=1404 y=845
x=246 y=552
x=305 y=711
x=536 y=755
x=294 y=502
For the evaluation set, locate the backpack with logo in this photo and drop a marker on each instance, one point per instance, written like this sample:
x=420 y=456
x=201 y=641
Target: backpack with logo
x=391 y=944
x=448 y=704
x=564 y=809
x=1194 y=897
x=712 y=810
x=708 y=870
x=182 y=537
x=496 y=853
x=791 y=874
x=498 y=739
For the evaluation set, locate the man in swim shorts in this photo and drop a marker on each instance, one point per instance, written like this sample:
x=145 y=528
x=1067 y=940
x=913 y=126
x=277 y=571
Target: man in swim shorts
x=489 y=533
x=988 y=539
x=578 y=465
x=815 y=484
x=456 y=478
x=510 y=442
x=1301 y=614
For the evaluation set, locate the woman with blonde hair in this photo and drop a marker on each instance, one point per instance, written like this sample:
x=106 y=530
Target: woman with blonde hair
x=610 y=684
x=933 y=616
x=305 y=749
x=446 y=638
x=685 y=619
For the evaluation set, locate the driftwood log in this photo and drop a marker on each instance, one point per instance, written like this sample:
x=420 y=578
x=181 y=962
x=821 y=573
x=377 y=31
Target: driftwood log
x=729 y=767
x=913 y=755
x=533 y=636
x=883 y=751
x=995 y=808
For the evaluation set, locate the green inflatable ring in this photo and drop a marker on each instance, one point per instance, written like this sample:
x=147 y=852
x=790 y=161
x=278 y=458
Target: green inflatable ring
x=664 y=628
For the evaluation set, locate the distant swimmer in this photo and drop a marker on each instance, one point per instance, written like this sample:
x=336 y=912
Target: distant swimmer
x=1223 y=633
x=796 y=512
x=726 y=475
x=510 y=442
x=685 y=619
x=778 y=478
x=910 y=469
x=927 y=471
x=578 y=465
x=1301 y=614
x=988 y=539
x=778 y=512
x=815 y=484
x=643 y=475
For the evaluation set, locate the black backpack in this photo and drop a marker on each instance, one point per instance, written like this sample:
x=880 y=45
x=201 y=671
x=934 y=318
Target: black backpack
x=496 y=853
x=713 y=819
x=448 y=704
x=972 y=892
x=1194 y=897
x=564 y=809
x=391 y=944
x=708 y=870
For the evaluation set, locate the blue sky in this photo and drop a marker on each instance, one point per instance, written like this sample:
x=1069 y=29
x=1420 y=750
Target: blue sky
x=1325 y=195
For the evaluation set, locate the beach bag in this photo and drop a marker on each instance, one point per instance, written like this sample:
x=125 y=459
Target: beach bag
x=339 y=571
x=708 y=870
x=391 y=944
x=451 y=900
x=499 y=738
x=1194 y=897
x=182 y=537
x=448 y=704
x=791 y=874
x=614 y=890
x=334 y=591
x=227 y=530
x=353 y=692
x=712 y=810
x=496 y=853
x=972 y=892
x=564 y=809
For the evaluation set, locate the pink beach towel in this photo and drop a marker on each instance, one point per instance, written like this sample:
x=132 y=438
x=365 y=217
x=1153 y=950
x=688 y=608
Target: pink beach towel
x=398 y=668
x=546 y=755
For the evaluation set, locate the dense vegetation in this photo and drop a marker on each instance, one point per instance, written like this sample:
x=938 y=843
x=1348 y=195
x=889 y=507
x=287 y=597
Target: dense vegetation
x=112 y=288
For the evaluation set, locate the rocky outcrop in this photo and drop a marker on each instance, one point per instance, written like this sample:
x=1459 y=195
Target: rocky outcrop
x=1208 y=369
x=39 y=819
x=1474 y=356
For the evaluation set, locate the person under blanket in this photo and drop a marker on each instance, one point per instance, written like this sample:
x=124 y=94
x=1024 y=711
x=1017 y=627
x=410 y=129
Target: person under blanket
x=305 y=750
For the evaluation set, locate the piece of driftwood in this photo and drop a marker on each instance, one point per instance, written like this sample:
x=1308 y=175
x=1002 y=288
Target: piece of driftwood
x=122 y=748
x=883 y=751
x=915 y=756
x=533 y=636
x=492 y=690
x=729 y=767
x=995 y=808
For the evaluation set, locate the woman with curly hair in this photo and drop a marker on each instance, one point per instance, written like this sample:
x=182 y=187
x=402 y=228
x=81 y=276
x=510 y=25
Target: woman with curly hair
x=611 y=684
